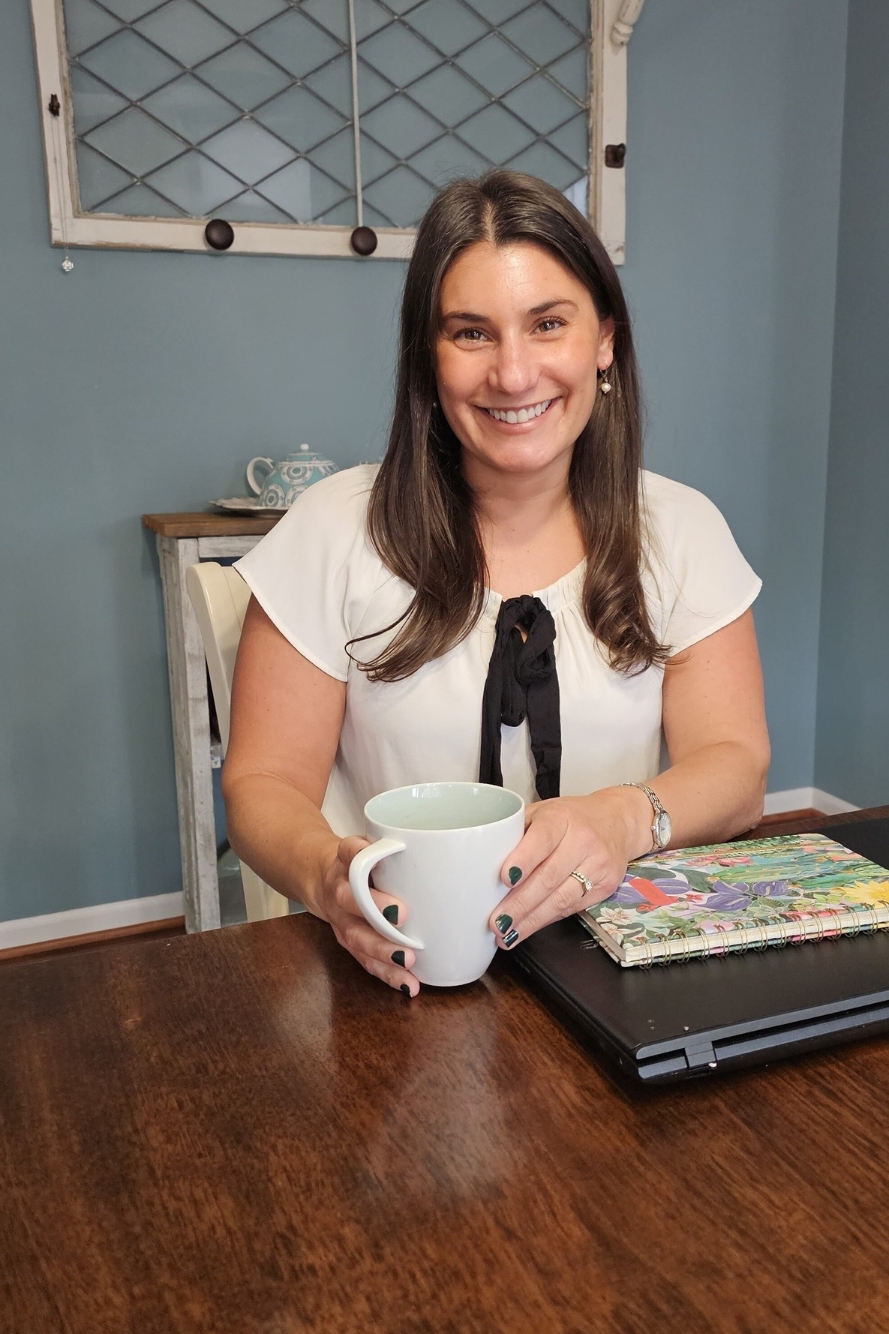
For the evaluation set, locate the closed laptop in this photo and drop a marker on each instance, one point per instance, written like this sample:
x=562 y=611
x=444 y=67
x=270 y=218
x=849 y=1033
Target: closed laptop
x=686 y=1020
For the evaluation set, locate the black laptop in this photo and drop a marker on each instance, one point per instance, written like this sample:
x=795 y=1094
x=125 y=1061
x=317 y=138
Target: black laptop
x=685 y=1020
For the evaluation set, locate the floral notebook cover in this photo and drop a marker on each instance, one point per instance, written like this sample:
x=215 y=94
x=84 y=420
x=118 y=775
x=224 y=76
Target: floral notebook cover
x=728 y=897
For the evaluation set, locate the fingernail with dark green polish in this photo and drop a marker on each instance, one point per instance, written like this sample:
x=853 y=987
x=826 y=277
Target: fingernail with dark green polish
x=510 y=938
x=398 y=957
x=515 y=874
x=405 y=989
x=391 y=913
x=503 y=922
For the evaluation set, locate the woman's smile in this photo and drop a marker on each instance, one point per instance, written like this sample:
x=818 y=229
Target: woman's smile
x=520 y=416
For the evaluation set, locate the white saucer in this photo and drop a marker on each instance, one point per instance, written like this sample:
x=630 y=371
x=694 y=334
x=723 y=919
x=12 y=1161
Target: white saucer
x=249 y=505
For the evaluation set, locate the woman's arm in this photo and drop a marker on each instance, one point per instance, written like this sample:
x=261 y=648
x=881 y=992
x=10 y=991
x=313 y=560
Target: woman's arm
x=285 y=729
x=285 y=725
x=714 y=722
x=715 y=726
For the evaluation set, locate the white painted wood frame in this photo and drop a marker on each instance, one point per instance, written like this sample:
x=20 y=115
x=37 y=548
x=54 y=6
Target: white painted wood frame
x=611 y=26
x=191 y=737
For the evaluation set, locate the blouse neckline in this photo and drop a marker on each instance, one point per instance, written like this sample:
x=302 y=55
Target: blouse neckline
x=565 y=592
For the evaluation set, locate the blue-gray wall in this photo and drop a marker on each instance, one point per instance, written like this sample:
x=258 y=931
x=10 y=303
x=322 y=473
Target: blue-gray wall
x=138 y=382
x=735 y=124
x=853 y=694
x=145 y=381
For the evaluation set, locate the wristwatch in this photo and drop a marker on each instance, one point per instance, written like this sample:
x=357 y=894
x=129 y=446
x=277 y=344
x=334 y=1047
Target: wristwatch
x=662 y=825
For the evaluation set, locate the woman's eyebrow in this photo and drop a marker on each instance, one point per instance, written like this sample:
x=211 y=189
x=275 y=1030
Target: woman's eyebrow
x=465 y=315
x=549 y=305
x=475 y=318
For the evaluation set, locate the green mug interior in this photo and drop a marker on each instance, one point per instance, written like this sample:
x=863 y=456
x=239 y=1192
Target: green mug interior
x=443 y=806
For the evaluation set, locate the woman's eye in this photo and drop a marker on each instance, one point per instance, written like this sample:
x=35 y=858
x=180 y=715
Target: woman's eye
x=548 y=325
x=470 y=335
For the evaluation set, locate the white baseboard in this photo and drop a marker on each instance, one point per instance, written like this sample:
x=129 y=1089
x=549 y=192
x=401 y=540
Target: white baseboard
x=86 y=921
x=806 y=798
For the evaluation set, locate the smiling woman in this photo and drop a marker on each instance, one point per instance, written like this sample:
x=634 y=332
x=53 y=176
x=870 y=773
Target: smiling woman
x=518 y=350
x=525 y=249
x=507 y=597
x=518 y=384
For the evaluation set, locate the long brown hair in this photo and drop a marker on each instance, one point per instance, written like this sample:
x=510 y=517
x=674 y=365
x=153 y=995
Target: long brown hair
x=421 y=516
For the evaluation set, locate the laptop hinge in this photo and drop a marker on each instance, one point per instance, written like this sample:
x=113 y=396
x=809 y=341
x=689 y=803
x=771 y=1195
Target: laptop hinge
x=700 y=1052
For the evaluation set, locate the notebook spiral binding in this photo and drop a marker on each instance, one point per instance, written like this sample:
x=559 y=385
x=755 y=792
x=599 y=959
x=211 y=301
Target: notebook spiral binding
x=796 y=928
x=826 y=901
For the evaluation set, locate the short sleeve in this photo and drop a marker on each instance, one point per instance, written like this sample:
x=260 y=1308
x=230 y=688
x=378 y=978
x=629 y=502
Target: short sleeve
x=311 y=574
x=697 y=579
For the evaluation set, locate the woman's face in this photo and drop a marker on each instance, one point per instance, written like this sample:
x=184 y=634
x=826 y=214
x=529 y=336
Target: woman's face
x=516 y=359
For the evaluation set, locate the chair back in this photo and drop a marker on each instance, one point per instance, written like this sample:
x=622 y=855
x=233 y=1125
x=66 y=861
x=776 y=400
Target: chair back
x=220 y=597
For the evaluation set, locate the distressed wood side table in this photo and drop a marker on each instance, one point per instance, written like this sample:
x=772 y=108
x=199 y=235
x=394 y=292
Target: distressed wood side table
x=183 y=540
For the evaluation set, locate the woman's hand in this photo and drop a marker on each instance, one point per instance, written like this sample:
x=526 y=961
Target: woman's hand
x=337 y=905
x=595 y=835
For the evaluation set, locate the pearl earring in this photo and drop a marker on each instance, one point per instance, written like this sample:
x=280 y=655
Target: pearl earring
x=605 y=383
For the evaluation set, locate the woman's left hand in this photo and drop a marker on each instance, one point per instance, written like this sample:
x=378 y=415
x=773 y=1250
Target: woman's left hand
x=595 y=835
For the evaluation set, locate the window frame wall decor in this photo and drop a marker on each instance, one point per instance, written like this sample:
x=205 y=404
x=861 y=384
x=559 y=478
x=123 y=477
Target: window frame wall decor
x=611 y=25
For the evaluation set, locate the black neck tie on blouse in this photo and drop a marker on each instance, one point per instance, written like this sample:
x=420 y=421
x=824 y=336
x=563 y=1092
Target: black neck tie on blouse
x=522 y=682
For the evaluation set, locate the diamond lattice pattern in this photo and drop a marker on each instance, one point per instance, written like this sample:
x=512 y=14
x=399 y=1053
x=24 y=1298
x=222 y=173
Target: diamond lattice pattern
x=244 y=107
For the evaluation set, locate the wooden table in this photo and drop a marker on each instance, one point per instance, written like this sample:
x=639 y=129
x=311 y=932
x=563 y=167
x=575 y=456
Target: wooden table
x=241 y=1131
x=183 y=540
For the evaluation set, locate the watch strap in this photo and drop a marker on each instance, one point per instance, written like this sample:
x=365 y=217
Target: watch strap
x=658 y=808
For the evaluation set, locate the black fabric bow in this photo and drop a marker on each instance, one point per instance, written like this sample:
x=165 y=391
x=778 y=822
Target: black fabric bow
x=522 y=682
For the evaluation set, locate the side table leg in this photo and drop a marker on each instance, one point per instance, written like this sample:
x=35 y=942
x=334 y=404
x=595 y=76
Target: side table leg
x=191 y=737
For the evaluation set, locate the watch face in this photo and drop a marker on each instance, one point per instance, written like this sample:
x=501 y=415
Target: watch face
x=663 y=829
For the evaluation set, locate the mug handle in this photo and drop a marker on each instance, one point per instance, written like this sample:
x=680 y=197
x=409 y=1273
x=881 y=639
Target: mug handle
x=255 y=486
x=359 y=878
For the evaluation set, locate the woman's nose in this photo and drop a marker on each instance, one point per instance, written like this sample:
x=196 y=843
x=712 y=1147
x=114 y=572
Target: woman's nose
x=515 y=367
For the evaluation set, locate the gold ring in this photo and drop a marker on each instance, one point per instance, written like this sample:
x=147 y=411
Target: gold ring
x=587 y=884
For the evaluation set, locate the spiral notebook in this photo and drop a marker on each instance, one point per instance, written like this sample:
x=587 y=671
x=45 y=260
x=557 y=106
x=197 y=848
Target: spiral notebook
x=729 y=897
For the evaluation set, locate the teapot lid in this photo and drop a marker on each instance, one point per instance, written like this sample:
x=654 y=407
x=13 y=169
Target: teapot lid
x=305 y=455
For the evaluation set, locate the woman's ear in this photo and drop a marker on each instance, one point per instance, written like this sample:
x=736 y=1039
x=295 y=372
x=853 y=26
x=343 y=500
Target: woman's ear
x=606 y=344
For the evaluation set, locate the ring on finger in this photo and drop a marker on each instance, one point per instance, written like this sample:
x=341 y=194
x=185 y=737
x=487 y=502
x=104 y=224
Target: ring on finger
x=587 y=884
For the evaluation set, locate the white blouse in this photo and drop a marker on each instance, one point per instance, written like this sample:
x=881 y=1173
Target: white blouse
x=321 y=583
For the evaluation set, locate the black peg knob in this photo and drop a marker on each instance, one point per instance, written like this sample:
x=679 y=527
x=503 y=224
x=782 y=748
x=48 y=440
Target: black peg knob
x=363 y=240
x=219 y=234
x=615 y=155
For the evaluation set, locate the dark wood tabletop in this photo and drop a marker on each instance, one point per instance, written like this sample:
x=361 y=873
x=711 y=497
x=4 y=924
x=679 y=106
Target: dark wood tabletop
x=241 y=1131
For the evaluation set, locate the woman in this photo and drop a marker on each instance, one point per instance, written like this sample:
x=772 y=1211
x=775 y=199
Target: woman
x=395 y=634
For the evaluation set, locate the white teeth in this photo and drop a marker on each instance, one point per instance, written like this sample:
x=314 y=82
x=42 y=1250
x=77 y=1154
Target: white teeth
x=513 y=417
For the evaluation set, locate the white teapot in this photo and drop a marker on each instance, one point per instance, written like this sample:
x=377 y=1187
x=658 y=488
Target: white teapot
x=283 y=482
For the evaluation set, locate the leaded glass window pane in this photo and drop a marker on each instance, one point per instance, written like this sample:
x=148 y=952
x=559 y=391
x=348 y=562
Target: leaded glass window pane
x=243 y=108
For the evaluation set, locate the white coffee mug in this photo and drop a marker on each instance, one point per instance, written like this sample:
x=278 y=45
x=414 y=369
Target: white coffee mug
x=440 y=848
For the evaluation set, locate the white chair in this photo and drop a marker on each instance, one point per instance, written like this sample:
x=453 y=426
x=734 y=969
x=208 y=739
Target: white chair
x=219 y=597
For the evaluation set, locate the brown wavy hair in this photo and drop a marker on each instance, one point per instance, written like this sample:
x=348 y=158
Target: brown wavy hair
x=421 y=517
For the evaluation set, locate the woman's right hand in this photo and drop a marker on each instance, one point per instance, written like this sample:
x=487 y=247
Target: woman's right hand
x=337 y=905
